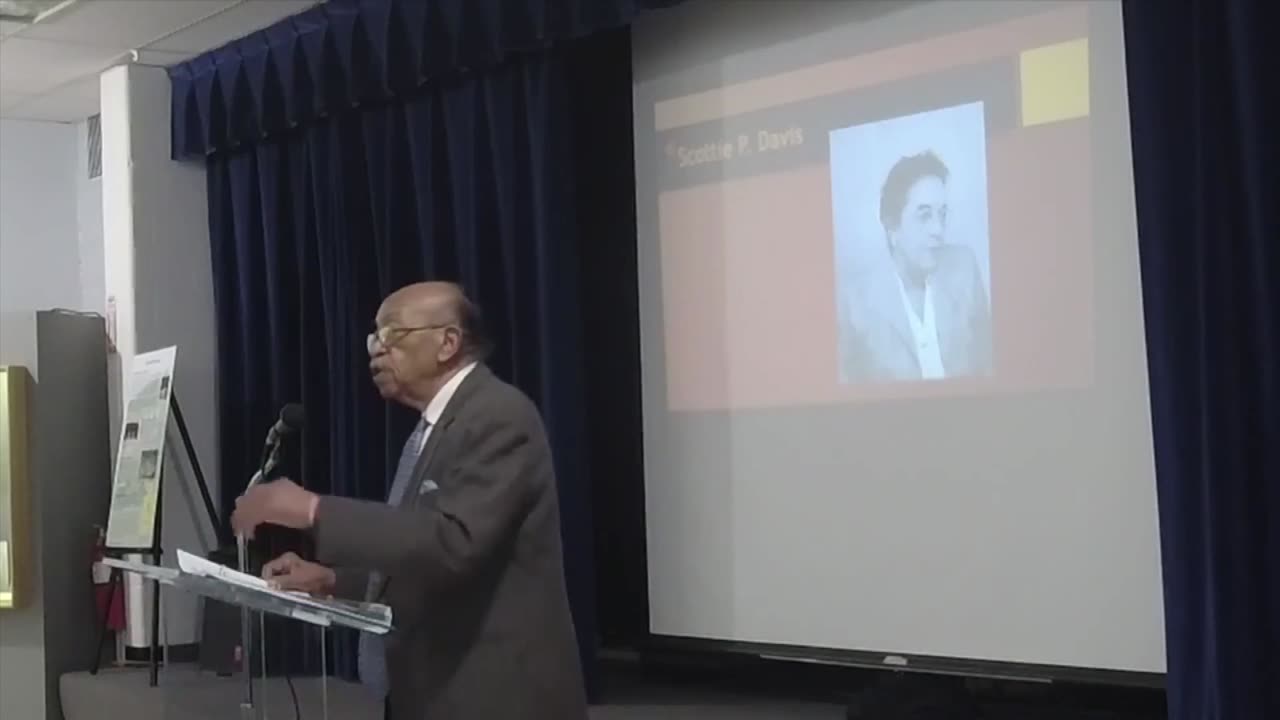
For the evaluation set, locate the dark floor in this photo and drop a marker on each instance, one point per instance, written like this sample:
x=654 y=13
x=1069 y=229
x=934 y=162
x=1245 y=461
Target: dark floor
x=630 y=692
x=657 y=703
x=185 y=693
x=634 y=698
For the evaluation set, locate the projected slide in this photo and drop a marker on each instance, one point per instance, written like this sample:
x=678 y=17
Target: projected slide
x=911 y=293
x=891 y=213
x=893 y=357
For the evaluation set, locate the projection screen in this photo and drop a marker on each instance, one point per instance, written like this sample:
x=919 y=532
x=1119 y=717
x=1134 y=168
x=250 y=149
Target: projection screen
x=894 y=370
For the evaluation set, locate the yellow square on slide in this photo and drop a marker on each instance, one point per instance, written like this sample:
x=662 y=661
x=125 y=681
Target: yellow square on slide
x=1055 y=82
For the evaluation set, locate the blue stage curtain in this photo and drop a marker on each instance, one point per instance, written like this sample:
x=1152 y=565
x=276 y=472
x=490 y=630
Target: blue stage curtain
x=366 y=144
x=350 y=53
x=465 y=181
x=1205 y=109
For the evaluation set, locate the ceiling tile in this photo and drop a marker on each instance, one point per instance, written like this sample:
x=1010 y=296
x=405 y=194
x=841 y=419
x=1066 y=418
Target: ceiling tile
x=50 y=71
x=8 y=27
x=124 y=23
x=36 y=66
x=9 y=100
x=69 y=103
x=28 y=9
x=232 y=24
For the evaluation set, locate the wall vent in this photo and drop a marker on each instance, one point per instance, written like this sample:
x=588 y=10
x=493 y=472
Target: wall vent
x=94 y=141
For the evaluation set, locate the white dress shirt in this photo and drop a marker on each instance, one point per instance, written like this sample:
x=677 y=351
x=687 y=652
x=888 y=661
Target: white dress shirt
x=924 y=332
x=436 y=407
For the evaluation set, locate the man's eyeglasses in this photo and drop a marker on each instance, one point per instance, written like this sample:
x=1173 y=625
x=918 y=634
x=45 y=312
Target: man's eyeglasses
x=387 y=337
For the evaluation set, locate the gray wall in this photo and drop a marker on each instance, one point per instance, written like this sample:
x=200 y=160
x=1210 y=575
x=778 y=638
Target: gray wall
x=39 y=268
x=39 y=244
x=70 y=476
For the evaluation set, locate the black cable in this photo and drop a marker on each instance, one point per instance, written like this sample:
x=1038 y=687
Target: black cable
x=262 y=646
x=297 y=710
x=288 y=677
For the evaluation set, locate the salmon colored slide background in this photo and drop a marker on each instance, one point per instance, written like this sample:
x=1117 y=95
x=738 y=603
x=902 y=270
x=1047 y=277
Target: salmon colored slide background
x=748 y=264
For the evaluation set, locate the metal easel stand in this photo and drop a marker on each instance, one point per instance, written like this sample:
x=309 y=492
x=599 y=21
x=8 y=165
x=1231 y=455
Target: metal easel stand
x=155 y=552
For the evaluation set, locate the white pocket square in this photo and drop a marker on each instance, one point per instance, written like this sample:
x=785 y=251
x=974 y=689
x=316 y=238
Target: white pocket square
x=427 y=487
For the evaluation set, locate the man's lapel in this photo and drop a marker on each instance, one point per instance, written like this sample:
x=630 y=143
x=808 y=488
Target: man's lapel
x=427 y=461
x=429 y=451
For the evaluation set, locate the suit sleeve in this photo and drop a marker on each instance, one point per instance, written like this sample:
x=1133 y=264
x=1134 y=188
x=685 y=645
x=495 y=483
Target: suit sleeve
x=479 y=506
x=980 y=320
x=351 y=584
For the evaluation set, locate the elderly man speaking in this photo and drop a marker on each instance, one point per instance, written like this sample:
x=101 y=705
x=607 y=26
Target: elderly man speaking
x=466 y=549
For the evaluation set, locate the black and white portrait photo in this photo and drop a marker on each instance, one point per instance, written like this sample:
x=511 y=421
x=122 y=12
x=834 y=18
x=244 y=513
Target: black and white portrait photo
x=909 y=199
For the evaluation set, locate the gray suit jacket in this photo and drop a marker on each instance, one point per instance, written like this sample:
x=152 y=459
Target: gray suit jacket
x=474 y=569
x=875 y=334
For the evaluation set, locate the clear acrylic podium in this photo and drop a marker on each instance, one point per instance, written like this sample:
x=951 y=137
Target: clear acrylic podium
x=322 y=614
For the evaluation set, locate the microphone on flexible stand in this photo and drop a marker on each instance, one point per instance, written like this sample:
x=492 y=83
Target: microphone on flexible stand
x=292 y=419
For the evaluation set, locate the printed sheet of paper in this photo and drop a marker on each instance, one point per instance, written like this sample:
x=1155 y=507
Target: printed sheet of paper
x=135 y=489
x=370 y=617
x=196 y=565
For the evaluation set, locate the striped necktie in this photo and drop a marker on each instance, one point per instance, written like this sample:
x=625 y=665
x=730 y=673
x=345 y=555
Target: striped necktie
x=371 y=657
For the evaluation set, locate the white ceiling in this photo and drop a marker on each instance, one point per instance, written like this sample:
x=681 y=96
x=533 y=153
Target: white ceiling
x=49 y=71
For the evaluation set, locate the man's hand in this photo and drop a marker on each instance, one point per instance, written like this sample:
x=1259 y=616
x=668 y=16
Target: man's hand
x=290 y=572
x=280 y=502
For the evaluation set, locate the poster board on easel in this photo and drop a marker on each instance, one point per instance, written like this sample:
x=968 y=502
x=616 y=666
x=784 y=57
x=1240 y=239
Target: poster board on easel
x=135 y=487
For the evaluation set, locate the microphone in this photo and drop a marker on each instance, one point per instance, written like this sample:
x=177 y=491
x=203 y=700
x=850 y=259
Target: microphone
x=293 y=417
